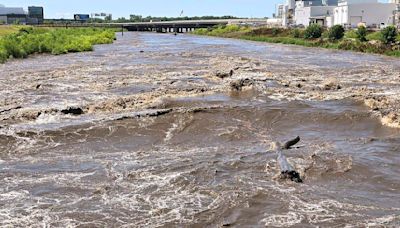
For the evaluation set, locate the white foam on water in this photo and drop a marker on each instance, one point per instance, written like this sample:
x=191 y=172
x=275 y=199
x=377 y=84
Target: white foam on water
x=12 y=195
x=385 y=221
x=178 y=126
x=289 y=219
x=146 y=122
x=112 y=130
x=47 y=119
x=22 y=143
x=170 y=132
x=287 y=97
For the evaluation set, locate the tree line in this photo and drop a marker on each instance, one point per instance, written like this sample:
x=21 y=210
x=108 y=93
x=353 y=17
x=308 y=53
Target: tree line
x=139 y=18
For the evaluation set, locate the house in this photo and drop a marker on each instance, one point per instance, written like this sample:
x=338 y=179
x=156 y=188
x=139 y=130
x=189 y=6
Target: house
x=351 y=13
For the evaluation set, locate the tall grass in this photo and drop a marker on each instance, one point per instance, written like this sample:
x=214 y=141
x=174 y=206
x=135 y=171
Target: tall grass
x=55 y=41
x=297 y=37
x=374 y=36
x=222 y=30
x=8 y=29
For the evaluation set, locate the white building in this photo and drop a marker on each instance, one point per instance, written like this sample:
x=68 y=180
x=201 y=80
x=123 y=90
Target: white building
x=351 y=13
x=348 y=13
x=10 y=15
x=397 y=14
x=288 y=12
x=306 y=14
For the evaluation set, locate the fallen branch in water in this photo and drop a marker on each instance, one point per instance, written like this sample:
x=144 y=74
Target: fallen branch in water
x=291 y=143
x=287 y=170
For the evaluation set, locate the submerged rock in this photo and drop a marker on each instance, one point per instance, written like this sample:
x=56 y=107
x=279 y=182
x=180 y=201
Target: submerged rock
x=240 y=83
x=392 y=119
x=331 y=84
x=224 y=74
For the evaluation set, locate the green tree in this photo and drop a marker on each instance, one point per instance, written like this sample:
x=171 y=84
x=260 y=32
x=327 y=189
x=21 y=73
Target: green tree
x=135 y=18
x=313 y=31
x=108 y=18
x=389 y=34
x=336 y=32
x=361 y=33
x=296 y=33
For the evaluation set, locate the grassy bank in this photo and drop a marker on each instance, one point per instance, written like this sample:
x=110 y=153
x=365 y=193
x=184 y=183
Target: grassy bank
x=9 y=29
x=372 y=42
x=24 y=41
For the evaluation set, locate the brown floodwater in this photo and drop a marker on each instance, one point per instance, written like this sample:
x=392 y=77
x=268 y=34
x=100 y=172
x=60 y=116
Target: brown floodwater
x=187 y=159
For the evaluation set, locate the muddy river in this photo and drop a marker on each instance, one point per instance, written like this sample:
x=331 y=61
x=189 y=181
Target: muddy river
x=158 y=130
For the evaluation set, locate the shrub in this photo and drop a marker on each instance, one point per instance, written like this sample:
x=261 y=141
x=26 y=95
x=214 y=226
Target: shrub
x=275 y=31
x=3 y=55
x=325 y=34
x=362 y=46
x=296 y=33
x=336 y=32
x=12 y=46
x=389 y=35
x=201 y=31
x=56 y=41
x=361 y=33
x=223 y=29
x=313 y=31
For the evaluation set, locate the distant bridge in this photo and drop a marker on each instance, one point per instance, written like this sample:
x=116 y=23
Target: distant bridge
x=167 y=26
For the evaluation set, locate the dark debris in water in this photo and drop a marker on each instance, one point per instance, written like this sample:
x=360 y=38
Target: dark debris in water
x=239 y=84
x=10 y=109
x=224 y=74
x=152 y=113
x=73 y=111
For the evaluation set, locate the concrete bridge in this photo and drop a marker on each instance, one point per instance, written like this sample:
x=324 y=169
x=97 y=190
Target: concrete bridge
x=167 y=26
x=186 y=26
x=173 y=26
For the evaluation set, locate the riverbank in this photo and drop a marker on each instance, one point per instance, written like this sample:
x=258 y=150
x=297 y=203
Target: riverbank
x=20 y=42
x=349 y=41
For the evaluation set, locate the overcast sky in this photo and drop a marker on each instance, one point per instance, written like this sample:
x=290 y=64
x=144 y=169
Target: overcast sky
x=171 y=8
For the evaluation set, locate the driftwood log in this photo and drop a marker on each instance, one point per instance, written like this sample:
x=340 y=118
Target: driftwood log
x=287 y=170
x=291 y=143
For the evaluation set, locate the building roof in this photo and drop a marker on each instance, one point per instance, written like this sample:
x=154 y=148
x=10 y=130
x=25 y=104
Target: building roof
x=12 y=10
